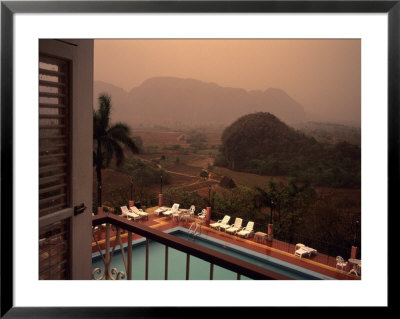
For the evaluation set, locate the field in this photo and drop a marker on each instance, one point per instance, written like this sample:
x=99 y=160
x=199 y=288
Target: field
x=165 y=138
x=184 y=165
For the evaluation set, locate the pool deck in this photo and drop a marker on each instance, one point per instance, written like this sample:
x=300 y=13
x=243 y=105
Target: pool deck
x=319 y=263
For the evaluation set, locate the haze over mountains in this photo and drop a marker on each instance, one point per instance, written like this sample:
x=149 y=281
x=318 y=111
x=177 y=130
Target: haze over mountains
x=176 y=102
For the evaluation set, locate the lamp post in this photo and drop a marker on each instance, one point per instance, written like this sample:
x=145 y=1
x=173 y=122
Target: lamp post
x=132 y=189
x=99 y=200
x=208 y=214
x=356 y=223
x=272 y=209
x=209 y=194
x=160 y=195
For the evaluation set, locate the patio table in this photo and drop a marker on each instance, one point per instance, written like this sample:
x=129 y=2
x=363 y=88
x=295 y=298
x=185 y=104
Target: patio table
x=181 y=213
x=260 y=236
x=356 y=265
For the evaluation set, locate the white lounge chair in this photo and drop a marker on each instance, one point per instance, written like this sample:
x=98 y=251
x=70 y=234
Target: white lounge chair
x=310 y=250
x=223 y=221
x=161 y=210
x=305 y=251
x=226 y=226
x=174 y=209
x=128 y=214
x=235 y=227
x=139 y=212
x=247 y=231
x=301 y=252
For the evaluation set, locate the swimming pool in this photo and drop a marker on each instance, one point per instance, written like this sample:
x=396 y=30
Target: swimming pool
x=199 y=269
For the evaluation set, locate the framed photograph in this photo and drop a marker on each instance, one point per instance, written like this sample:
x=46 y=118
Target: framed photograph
x=323 y=74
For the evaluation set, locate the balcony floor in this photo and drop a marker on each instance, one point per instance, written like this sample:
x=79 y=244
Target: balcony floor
x=319 y=263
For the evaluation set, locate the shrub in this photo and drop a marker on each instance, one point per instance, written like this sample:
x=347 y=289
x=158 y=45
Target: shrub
x=227 y=182
x=204 y=174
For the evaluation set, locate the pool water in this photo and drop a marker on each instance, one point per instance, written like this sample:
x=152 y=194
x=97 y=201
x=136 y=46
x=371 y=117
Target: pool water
x=199 y=269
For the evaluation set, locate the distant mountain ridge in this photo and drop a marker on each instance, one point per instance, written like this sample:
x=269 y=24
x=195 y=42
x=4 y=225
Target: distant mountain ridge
x=174 y=102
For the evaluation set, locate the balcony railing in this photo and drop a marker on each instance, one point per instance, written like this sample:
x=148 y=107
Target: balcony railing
x=240 y=267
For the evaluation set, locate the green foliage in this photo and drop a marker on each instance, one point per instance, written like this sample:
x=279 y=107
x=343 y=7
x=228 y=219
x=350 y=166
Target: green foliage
x=196 y=137
x=174 y=147
x=143 y=174
x=260 y=143
x=115 y=198
x=237 y=202
x=196 y=140
x=220 y=160
x=300 y=214
x=204 y=174
x=227 y=182
x=138 y=142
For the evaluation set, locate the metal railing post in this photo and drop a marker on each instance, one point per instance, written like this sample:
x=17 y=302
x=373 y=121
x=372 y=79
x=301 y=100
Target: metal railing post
x=147 y=259
x=107 y=263
x=129 y=255
x=166 y=262
x=187 y=266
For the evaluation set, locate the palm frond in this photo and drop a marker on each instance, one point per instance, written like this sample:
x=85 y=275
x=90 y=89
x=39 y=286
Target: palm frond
x=262 y=192
x=119 y=153
x=120 y=128
x=121 y=133
x=104 y=111
x=264 y=196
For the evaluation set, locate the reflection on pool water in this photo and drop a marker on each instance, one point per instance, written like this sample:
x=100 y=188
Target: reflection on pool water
x=199 y=269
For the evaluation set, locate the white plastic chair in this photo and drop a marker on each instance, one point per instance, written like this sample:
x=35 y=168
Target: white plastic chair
x=189 y=215
x=235 y=227
x=202 y=215
x=246 y=231
x=139 y=212
x=340 y=262
x=222 y=222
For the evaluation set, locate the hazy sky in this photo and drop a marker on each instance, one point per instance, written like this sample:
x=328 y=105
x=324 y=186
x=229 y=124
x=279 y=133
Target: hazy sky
x=322 y=75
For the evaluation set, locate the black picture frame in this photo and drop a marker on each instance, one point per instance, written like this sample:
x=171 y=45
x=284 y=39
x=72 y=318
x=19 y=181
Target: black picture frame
x=9 y=8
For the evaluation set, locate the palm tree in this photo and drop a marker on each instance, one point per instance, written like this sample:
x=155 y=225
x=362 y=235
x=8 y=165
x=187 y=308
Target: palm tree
x=264 y=199
x=270 y=198
x=108 y=140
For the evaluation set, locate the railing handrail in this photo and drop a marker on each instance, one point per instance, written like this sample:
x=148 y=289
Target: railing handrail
x=214 y=257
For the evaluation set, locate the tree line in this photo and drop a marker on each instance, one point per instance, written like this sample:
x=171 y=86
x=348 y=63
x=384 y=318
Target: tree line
x=260 y=143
